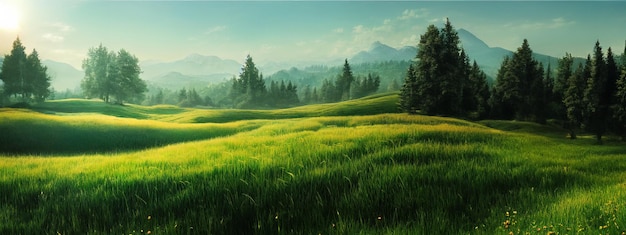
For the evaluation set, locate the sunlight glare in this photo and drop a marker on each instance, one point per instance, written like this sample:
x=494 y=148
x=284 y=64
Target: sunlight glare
x=9 y=17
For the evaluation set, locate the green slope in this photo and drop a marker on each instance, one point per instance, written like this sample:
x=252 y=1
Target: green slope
x=372 y=174
x=376 y=104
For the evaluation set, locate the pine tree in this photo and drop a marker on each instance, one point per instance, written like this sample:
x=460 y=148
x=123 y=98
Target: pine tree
x=564 y=72
x=37 y=81
x=619 y=108
x=597 y=106
x=609 y=94
x=480 y=91
x=248 y=90
x=573 y=97
x=24 y=75
x=13 y=70
x=451 y=72
x=519 y=90
x=428 y=85
x=408 y=92
x=344 y=82
x=505 y=94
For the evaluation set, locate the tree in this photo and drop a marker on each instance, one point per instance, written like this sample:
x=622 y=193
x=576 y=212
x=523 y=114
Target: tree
x=408 y=93
x=13 y=69
x=619 y=108
x=37 y=79
x=24 y=75
x=479 y=91
x=110 y=75
x=344 y=82
x=127 y=82
x=609 y=94
x=451 y=71
x=564 y=72
x=428 y=87
x=248 y=90
x=594 y=98
x=519 y=90
x=573 y=97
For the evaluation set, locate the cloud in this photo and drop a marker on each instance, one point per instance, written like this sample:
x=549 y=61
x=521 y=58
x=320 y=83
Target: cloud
x=53 y=37
x=414 y=14
x=215 y=29
x=338 y=30
x=61 y=27
x=551 y=24
x=358 y=29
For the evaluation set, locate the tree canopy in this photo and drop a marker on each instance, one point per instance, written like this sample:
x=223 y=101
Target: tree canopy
x=24 y=76
x=112 y=75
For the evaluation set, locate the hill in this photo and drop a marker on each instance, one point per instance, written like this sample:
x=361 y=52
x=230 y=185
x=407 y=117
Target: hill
x=373 y=174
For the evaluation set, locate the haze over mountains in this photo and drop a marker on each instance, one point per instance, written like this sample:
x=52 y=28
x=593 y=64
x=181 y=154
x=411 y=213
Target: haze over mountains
x=197 y=69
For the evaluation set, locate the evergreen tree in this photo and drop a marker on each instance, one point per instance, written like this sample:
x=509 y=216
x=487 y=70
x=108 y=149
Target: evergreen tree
x=408 y=93
x=573 y=97
x=314 y=96
x=594 y=98
x=13 y=70
x=564 y=72
x=480 y=91
x=24 y=75
x=344 y=82
x=428 y=86
x=519 y=89
x=249 y=89
x=307 y=95
x=451 y=70
x=505 y=93
x=37 y=81
x=609 y=94
x=182 y=95
x=328 y=92
x=619 y=108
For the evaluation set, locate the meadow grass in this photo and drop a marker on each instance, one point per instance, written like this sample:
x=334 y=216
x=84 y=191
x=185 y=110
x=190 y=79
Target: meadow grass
x=371 y=174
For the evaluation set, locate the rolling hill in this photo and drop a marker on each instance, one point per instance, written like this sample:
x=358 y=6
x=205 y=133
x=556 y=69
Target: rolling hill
x=136 y=169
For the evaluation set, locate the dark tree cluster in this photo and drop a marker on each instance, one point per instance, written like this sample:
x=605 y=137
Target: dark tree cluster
x=442 y=81
x=191 y=98
x=347 y=86
x=519 y=91
x=112 y=75
x=283 y=95
x=24 y=77
x=249 y=90
x=593 y=93
x=589 y=96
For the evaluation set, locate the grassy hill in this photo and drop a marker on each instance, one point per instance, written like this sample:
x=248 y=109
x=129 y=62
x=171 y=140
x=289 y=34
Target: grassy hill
x=300 y=171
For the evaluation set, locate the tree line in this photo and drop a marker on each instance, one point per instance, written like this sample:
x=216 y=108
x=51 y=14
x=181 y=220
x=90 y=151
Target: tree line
x=25 y=79
x=589 y=96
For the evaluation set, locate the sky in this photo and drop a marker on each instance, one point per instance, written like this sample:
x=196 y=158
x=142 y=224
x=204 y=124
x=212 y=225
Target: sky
x=288 y=31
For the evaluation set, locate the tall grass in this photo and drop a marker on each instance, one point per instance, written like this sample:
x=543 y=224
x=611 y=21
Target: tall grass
x=390 y=173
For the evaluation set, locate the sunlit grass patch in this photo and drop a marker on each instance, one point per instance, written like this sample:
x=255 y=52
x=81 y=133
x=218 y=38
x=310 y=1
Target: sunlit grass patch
x=278 y=173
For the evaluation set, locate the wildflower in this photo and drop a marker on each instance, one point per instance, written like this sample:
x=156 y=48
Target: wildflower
x=149 y=217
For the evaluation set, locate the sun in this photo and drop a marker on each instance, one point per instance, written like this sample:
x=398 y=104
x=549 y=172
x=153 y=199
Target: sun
x=9 y=17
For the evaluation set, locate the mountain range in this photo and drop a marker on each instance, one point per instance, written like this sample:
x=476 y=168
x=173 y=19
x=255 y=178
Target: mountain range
x=197 y=69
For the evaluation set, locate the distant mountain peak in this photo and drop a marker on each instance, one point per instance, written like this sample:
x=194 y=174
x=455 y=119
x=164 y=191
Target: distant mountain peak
x=470 y=41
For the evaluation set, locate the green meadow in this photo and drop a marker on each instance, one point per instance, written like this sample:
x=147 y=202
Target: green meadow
x=356 y=167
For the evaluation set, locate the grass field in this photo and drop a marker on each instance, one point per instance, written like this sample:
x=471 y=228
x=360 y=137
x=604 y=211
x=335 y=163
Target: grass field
x=341 y=168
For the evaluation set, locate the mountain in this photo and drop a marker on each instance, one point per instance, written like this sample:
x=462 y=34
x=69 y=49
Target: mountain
x=488 y=58
x=64 y=76
x=192 y=65
x=177 y=80
x=379 y=52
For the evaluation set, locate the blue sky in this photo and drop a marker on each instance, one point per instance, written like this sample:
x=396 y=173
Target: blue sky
x=63 y=30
